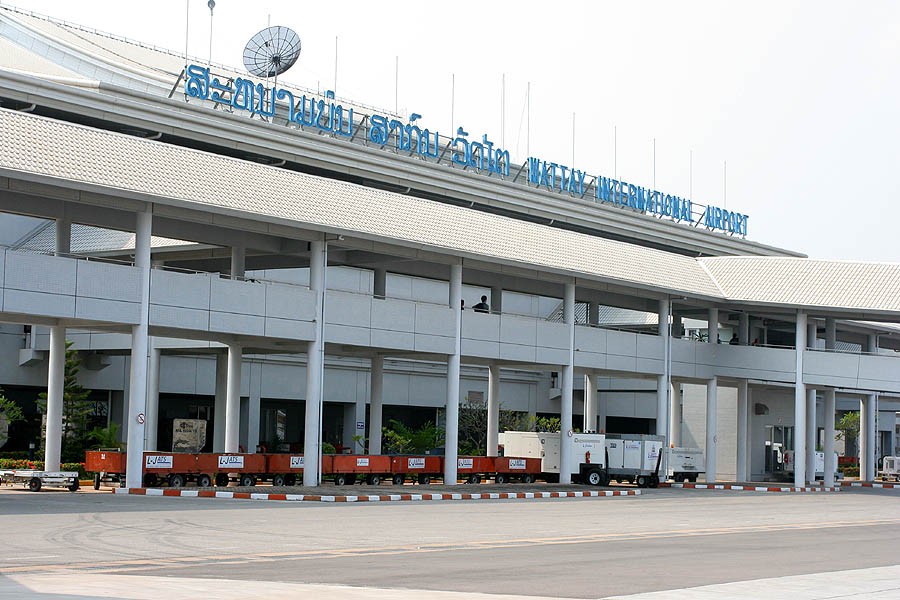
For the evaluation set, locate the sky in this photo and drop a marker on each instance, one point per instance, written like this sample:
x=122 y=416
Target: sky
x=784 y=111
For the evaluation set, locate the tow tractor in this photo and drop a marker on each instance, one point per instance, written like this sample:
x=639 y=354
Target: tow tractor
x=35 y=480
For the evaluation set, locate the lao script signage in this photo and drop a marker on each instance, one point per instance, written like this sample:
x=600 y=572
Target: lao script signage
x=324 y=113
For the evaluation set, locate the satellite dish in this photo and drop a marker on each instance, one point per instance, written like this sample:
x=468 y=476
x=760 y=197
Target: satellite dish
x=272 y=51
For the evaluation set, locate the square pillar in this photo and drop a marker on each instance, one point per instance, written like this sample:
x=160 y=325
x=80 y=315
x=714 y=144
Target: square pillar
x=315 y=372
x=376 y=399
x=219 y=406
x=566 y=465
x=828 y=446
x=800 y=403
x=712 y=437
x=743 y=431
x=451 y=445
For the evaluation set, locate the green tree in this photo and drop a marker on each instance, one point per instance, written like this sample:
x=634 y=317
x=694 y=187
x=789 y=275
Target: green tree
x=848 y=427
x=473 y=424
x=397 y=438
x=76 y=409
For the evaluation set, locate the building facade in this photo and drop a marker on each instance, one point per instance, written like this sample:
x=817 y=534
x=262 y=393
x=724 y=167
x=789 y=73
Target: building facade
x=296 y=268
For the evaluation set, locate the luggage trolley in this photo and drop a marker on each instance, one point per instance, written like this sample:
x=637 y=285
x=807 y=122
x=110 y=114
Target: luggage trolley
x=35 y=480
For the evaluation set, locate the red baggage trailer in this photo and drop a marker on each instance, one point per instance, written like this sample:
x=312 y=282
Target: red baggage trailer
x=473 y=468
x=344 y=468
x=284 y=468
x=523 y=469
x=105 y=464
x=176 y=468
x=247 y=467
x=423 y=467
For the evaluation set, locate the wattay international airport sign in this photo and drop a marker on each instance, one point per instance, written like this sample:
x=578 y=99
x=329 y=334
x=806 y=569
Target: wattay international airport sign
x=323 y=113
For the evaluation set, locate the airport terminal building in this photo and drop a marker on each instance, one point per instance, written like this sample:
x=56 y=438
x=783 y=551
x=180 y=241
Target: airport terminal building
x=297 y=268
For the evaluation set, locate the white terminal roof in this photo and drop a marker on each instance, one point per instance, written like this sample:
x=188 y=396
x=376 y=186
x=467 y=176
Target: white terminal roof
x=66 y=154
x=46 y=150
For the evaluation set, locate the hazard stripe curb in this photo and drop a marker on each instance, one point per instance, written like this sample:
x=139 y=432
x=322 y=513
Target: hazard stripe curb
x=182 y=493
x=752 y=488
x=873 y=484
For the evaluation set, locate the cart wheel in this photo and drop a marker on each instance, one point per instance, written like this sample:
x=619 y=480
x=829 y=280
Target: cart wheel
x=594 y=477
x=290 y=479
x=373 y=479
x=398 y=479
x=340 y=479
x=527 y=478
x=474 y=478
x=424 y=479
x=641 y=481
x=96 y=481
x=278 y=480
x=73 y=487
x=176 y=480
x=34 y=484
x=204 y=480
x=500 y=478
x=151 y=480
x=222 y=480
x=247 y=480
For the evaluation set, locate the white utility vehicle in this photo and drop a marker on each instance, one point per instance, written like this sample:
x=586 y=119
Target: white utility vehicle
x=634 y=458
x=587 y=452
x=684 y=464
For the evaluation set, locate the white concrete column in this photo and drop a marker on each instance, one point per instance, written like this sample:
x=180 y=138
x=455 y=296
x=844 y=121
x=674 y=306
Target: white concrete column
x=675 y=419
x=662 y=381
x=867 y=458
x=56 y=367
x=744 y=329
x=712 y=437
x=63 y=235
x=712 y=326
x=253 y=406
x=233 y=399
x=314 y=369
x=376 y=403
x=151 y=423
x=451 y=447
x=379 y=283
x=828 y=446
x=219 y=407
x=602 y=407
x=137 y=402
x=496 y=299
x=359 y=425
x=800 y=403
x=743 y=425
x=493 y=410
x=811 y=435
x=238 y=260
x=566 y=460
x=56 y=373
x=830 y=333
x=593 y=313
x=590 y=402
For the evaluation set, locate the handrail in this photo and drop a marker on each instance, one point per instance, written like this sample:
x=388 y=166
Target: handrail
x=73 y=255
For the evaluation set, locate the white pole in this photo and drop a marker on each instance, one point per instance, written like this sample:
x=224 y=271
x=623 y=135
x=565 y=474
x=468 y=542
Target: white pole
x=451 y=446
x=312 y=433
x=566 y=460
x=743 y=417
x=55 y=390
x=800 y=404
x=662 y=381
x=137 y=403
x=376 y=403
x=493 y=410
x=151 y=423
x=712 y=438
x=828 y=446
x=233 y=399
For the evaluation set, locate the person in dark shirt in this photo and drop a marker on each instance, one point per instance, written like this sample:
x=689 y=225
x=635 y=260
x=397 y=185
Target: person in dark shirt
x=734 y=341
x=482 y=306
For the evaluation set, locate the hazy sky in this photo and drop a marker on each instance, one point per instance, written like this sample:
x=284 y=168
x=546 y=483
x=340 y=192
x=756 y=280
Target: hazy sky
x=800 y=98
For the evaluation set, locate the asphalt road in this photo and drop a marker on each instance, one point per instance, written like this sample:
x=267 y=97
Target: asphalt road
x=61 y=545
